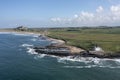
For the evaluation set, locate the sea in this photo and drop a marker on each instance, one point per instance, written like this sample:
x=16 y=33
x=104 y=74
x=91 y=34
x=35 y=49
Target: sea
x=18 y=61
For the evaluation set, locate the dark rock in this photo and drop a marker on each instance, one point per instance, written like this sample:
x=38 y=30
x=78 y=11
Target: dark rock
x=63 y=51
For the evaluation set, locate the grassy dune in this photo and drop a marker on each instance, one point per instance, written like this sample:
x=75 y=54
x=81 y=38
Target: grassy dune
x=107 y=38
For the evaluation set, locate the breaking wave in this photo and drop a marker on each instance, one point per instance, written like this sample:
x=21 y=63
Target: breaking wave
x=24 y=34
x=39 y=56
x=34 y=39
x=77 y=62
x=31 y=51
x=26 y=45
x=20 y=34
x=88 y=62
x=92 y=66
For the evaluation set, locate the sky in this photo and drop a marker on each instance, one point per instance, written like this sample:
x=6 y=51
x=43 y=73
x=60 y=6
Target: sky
x=59 y=13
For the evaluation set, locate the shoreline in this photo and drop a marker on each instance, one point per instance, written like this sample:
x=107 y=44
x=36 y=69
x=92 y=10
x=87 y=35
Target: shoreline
x=73 y=49
x=19 y=32
x=98 y=54
x=87 y=53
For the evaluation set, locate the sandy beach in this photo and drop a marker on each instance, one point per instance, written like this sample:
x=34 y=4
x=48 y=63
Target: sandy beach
x=21 y=32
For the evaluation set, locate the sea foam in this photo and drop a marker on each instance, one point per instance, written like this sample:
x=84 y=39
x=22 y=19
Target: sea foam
x=20 y=34
x=31 y=51
x=25 y=34
x=26 y=45
x=39 y=56
x=89 y=62
x=92 y=66
x=94 y=63
x=34 y=39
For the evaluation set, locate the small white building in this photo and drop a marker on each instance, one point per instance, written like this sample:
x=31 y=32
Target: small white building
x=98 y=49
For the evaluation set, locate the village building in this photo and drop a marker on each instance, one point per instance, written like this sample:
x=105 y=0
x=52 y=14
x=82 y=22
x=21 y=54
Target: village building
x=22 y=28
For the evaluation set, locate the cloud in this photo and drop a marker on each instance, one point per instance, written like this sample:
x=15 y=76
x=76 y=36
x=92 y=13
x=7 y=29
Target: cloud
x=115 y=13
x=99 y=9
x=55 y=19
x=115 y=9
x=98 y=18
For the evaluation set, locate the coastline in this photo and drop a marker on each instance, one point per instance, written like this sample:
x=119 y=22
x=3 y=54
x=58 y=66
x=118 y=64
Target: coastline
x=19 y=32
x=74 y=50
x=87 y=53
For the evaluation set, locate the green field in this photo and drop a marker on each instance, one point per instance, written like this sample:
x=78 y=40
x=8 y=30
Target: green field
x=87 y=38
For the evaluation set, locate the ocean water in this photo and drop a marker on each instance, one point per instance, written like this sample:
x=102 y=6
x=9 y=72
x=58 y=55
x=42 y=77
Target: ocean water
x=18 y=61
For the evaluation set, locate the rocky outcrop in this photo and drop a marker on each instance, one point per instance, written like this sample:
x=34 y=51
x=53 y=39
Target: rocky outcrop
x=73 y=51
x=59 y=48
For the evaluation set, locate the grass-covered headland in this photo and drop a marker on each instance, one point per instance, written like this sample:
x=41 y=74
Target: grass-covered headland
x=107 y=38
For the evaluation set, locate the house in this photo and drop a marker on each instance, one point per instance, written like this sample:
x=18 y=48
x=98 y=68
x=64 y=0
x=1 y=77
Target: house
x=22 y=28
